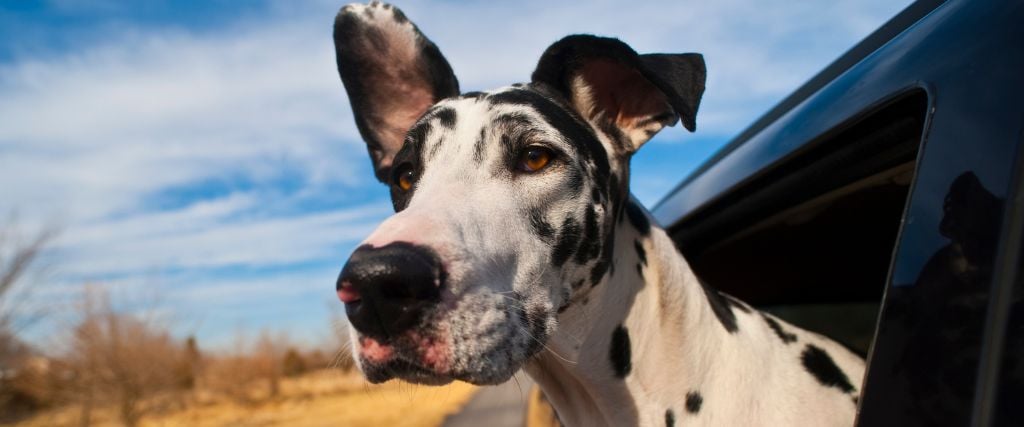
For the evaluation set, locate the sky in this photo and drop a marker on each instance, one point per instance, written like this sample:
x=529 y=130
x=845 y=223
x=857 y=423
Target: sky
x=203 y=153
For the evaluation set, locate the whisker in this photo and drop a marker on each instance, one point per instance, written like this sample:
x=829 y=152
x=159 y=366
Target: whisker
x=518 y=386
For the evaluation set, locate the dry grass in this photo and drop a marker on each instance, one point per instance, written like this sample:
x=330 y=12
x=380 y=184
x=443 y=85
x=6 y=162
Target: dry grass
x=323 y=398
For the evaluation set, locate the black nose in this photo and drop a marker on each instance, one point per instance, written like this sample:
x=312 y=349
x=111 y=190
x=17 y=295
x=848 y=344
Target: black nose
x=386 y=290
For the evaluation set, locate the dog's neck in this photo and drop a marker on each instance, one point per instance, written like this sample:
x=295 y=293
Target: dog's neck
x=607 y=362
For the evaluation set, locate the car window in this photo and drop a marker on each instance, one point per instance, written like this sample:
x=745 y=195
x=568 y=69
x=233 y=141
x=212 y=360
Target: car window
x=811 y=239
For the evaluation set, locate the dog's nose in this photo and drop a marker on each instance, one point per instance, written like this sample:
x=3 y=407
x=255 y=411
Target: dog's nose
x=386 y=290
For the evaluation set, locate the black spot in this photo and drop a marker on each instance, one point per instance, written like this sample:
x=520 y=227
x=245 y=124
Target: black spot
x=693 y=402
x=434 y=149
x=397 y=14
x=478 y=149
x=608 y=254
x=474 y=94
x=446 y=116
x=720 y=306
x=638 y=218
x=565 y=306
x=640 y=252
x=509 y=147
x=567 y=242
x=787 y=337
x=615 y=196
x=670 y=418
x=590 y=245
x=574 y=182
x=541 y=227
x=410 y=154
x=598 y=272
x=417 y=136
x=821 y=366
x=620 y=352
x=640 y=269
x=515 y=124
x=534 y=322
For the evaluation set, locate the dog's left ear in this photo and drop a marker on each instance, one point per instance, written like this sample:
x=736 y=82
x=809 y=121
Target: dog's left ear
x=609 y=84
x=392 y=73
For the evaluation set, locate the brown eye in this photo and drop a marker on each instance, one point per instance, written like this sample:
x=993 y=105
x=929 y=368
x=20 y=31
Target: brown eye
x=404 y=177
x=535 y=158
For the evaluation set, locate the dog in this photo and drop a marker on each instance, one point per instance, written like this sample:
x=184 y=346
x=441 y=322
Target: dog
x=515 y=243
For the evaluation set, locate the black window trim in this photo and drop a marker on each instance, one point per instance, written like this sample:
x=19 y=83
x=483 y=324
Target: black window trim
x=892 y=28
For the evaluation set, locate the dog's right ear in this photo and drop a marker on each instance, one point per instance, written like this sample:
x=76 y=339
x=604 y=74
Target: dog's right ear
x=392 y=74
x=613 y=87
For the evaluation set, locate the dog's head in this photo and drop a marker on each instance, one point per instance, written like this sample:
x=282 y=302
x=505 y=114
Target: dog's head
x=505 y=201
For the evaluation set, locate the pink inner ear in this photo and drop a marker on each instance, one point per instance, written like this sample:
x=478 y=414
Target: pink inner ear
x=622 y=94
x=401 y=96
x=403 y=106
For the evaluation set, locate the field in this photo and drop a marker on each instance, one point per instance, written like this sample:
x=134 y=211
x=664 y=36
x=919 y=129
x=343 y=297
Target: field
x=320 y=398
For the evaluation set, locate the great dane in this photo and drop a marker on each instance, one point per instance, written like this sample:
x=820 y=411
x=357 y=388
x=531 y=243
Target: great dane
x=516 y=244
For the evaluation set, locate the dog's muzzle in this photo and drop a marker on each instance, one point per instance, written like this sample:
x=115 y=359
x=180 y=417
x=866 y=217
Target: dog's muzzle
x=387 y=290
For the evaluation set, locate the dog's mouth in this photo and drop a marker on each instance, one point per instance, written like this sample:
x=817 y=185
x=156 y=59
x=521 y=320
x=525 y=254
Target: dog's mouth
x=481 y=338
x=414 y=358
x=383 y=362
x=402 y=368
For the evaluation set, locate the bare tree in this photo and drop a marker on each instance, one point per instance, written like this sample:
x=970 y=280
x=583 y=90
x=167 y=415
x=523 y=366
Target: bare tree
x=253 y=371
x=121 y=359
x=19 y=258
x=231 y=373
x=191 y=365
x=293 y=364
x=19 y=263
x=269 y=359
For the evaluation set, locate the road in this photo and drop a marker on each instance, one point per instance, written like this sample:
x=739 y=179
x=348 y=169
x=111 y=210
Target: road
x=495 y=406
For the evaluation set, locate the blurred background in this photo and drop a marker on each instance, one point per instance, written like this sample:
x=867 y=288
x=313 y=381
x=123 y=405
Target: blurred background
x=181 y=181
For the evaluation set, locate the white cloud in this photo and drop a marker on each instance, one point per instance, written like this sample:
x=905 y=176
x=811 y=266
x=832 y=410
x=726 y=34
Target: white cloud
x=93 y=132
x=205 y=236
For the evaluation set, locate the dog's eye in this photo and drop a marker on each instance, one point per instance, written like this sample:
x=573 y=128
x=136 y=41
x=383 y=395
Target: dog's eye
x=404 y=177
x=534 y=158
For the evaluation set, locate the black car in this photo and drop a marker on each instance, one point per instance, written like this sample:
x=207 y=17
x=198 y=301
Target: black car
x=882 y=203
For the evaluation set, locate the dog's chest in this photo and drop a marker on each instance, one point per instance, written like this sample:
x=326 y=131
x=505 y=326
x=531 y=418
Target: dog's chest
x=683 y=354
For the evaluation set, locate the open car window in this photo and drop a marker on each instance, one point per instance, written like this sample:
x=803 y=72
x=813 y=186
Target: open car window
x=811 y=239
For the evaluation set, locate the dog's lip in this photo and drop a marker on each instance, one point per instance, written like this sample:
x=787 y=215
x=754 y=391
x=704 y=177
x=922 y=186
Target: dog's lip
x=405 y=369
x=416 y=373
x=416 y=358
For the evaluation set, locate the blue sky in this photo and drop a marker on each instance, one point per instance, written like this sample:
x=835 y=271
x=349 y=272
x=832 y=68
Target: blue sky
x=204 y=151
